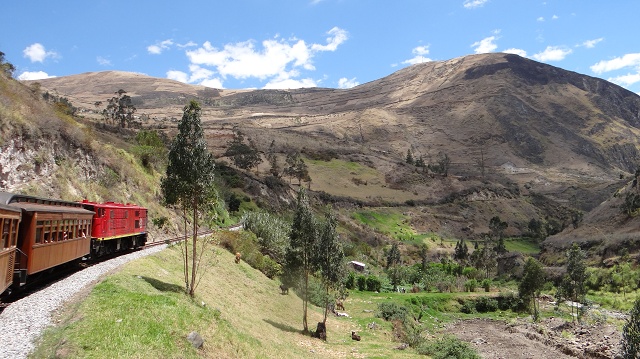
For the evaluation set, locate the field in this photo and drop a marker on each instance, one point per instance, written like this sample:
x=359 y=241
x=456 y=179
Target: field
x=142 y=312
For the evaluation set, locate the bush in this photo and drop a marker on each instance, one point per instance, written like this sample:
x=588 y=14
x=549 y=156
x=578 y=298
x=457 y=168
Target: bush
x=486 y=304
x=470 y=285
x=448 y=347
x=350 y=281
x=392 y=311
x=486 y=284
x=468 y=307
x=361 y=282
x=373 y=283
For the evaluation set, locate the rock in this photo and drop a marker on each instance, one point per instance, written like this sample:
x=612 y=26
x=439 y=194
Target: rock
x=195 y=339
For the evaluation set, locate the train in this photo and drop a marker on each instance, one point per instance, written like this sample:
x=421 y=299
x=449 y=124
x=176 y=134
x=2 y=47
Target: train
x=40 y=234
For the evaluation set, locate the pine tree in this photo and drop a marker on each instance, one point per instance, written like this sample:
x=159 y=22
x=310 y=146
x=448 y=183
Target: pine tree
x=409 y=158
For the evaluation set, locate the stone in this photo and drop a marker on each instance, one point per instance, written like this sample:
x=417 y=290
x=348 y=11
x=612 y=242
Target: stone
x=195 y=339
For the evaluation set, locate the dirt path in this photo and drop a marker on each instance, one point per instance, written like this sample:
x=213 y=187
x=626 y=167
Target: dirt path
x=552 y=338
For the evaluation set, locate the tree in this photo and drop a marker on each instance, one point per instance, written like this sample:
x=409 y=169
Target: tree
x=328 y=257
x=461 y=252
x=300 y=253
x=120 y=109
x=393 y=260
x=272 y=158
x=189 y=184
x=245 y=156
x=533 y=279
x=631 y=333
x=296 y=167
x=444 y=163
x=6 y=67
x=574 y=282
x=497 y=227
x=409 y=158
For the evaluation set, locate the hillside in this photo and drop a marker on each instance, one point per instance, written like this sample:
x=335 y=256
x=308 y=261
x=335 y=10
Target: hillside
x=526 y=140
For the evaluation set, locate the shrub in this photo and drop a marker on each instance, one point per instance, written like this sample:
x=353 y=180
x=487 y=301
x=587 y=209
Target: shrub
x=468 y=307
x=470 y=285
x=486 y=304
x=361 y=282
x=373 y=283
x=350 y=281
x=448 y=347
x=486 y=284
x=392 y=311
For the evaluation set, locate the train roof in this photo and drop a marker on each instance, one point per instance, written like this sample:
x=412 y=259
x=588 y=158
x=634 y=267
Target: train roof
x=9 y=198
x=4 y=207
x=113 y=205
x=39 y=204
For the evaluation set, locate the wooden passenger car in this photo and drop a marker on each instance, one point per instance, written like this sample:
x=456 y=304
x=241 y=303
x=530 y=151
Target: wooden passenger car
x=117 y=227
x=51 y=233
x=9 y=221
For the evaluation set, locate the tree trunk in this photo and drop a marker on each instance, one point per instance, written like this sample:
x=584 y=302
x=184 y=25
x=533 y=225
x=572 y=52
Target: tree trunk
x=186 y=252
x=305 y=302
x=192 y=287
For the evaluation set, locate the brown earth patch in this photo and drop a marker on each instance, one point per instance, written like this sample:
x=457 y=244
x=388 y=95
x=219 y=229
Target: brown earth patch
x=551 y=338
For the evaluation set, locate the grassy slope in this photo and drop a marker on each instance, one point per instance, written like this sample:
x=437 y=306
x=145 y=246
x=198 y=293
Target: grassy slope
x=141 y=312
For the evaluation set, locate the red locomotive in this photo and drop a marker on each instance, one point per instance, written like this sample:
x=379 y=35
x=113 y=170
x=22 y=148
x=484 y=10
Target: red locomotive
x=43 y=233
x=116 y=227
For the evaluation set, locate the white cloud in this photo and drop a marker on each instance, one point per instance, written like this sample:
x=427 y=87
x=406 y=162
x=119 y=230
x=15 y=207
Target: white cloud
x=516 y=52
x=419 y=51
x=278 y=61
x=178 y=76
x=628 y=60
x=552 y=53
x=590 y=44
x=471 y=4
x=555 y=17
x=158 y=47
x=540 y=19
x=626 y=80
x=485 y=45
x=199 y=73
x=102 y=61
x=36 y=75
x=337 y=37
x=37 y=53
x=290 y=83
x=188 y=44
x=345 y=83
x=214 y=83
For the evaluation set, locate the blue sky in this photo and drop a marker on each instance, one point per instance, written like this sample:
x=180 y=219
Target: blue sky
x=313 y=43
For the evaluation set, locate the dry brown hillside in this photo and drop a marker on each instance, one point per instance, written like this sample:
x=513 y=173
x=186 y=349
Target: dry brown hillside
x=549 y=141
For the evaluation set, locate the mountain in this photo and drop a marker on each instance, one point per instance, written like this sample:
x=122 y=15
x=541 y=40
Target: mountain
x=525 y=140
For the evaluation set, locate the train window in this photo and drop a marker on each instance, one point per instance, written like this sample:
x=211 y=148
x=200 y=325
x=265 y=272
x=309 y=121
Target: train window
x=4 y=241
x=126 y=214
x=137 y=223
x=39 y=231
x=112 y=214
x=14 y=232
x=137 y=213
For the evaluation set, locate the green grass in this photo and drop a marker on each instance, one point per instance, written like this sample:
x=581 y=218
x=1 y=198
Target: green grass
x=389 y=222
x=142 y=312
x=522 y=245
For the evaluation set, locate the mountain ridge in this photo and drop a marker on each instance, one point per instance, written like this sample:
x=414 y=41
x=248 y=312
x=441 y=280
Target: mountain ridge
x=503 y=120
